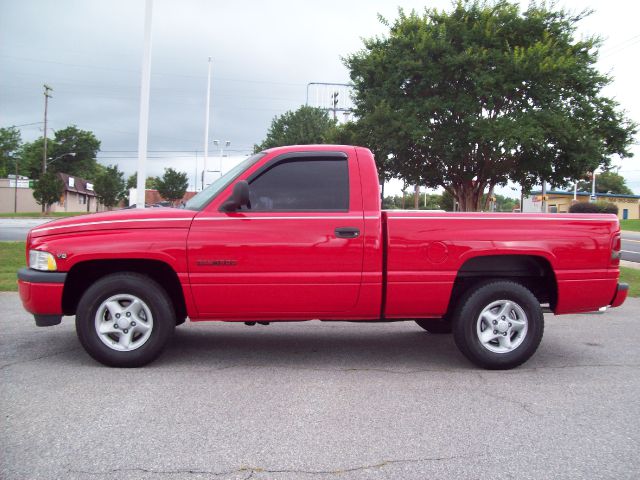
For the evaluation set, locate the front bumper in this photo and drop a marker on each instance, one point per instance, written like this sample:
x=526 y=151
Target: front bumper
x=620 y=295
x=41 y=295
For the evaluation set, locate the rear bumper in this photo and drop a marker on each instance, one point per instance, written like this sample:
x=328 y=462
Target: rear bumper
x=41 y=295
x=620 y=295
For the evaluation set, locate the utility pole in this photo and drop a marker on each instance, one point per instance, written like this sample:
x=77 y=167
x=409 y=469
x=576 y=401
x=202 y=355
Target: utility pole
x=15 y=199
x=47 y=96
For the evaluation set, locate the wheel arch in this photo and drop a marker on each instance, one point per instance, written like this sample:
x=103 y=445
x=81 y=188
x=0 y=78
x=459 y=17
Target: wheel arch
x=532 y=271
x=82 y=275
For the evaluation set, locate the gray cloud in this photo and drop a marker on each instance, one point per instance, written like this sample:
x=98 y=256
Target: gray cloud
x=265 y=53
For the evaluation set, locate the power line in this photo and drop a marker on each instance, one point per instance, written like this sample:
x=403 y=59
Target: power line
x=25 y=124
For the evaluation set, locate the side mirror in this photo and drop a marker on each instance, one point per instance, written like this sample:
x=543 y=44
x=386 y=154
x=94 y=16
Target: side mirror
x=239 y=197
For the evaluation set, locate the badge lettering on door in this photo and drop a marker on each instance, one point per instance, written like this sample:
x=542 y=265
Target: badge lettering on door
x=216 y=263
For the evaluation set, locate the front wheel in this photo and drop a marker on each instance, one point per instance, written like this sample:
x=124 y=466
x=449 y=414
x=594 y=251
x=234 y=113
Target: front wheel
x=125 y=320
x=498 y=325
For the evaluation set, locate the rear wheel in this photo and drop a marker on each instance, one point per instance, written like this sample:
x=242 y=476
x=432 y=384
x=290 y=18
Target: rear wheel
x=436 y=327
x=125 y=320
x=498 y=324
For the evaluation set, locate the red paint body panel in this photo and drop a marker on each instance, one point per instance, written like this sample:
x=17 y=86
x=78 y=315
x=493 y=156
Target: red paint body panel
x=278 y=265
x=620 y=296
x=253 y=265
x=427 y=249
x=41 y=298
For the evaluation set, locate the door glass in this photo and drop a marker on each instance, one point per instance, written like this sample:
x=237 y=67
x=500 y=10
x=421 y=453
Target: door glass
x=302 y=185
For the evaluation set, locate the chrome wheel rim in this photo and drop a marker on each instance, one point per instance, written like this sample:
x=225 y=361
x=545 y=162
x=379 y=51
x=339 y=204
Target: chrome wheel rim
x=123 y=322
x=502 y=326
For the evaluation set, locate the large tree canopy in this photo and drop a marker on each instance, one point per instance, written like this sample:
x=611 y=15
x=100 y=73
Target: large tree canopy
x=305 y=126
x=484 y=94
x=82 y=143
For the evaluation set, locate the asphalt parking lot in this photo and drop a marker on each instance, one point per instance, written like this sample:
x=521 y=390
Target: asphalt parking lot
x=317 y=400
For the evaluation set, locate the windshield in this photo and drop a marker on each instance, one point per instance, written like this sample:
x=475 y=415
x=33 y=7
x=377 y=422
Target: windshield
x=202 y=199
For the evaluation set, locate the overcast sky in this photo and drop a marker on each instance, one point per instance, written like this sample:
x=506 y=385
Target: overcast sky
x=264 y=55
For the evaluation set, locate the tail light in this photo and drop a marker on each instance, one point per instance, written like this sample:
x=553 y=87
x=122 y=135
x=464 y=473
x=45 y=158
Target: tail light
x=616 y=249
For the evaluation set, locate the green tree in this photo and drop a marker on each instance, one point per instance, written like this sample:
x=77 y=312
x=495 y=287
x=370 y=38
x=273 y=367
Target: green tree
x=83 y=143
x=109 y=186
x=365 y=133
x=48 y=190
x=305 y=126
x=172 y=185
x=150 y=183
x=472 y=98
x=607 y=182
x=69 y=140
x=10 y=142
x=30 y=154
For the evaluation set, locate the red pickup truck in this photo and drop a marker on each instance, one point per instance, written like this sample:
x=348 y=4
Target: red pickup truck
x=297 y=233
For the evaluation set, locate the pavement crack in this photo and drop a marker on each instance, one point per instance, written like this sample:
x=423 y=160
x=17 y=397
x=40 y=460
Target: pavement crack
x=525 y=406
x=343 y=370
x=258 y=470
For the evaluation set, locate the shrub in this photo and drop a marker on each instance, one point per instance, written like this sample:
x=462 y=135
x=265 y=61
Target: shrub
x=597 y=207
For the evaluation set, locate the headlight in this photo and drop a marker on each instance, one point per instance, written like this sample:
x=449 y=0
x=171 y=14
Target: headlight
x=39 y=260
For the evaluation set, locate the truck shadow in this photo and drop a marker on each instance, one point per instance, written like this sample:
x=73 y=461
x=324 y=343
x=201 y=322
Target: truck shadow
x=320 y=347
x=394 y=348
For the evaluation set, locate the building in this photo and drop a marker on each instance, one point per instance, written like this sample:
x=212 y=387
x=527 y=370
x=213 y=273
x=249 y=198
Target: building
x=77 y=196
x=17 y=196
x=153 y=198
x=559 y=202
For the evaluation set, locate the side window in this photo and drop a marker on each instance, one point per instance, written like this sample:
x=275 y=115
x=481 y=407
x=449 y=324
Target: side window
x=302 y=184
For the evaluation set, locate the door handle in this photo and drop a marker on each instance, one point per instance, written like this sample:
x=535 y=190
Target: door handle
x=347 y=232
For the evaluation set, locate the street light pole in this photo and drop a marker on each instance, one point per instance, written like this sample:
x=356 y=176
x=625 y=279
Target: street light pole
x=226 y=144
x=593 y=186
x=206 y=122
x=51 y=160
x=143 y=121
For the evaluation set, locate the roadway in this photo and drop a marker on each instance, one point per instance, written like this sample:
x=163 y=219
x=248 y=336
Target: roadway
x=321 y=401
x=631 y=246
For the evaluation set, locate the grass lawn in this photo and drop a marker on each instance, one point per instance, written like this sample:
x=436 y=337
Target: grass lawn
x=632 y=277
x=632 y=225
x=11 y=260
x=41 y=215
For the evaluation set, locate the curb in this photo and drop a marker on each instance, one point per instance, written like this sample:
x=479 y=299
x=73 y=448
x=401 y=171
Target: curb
x=628 y=264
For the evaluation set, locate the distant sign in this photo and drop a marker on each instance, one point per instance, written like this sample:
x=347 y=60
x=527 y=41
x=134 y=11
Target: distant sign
x=21 y=183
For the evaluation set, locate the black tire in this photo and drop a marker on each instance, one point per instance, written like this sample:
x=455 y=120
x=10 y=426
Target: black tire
x=508 y=304
x=436 y=327
x=153 y=311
